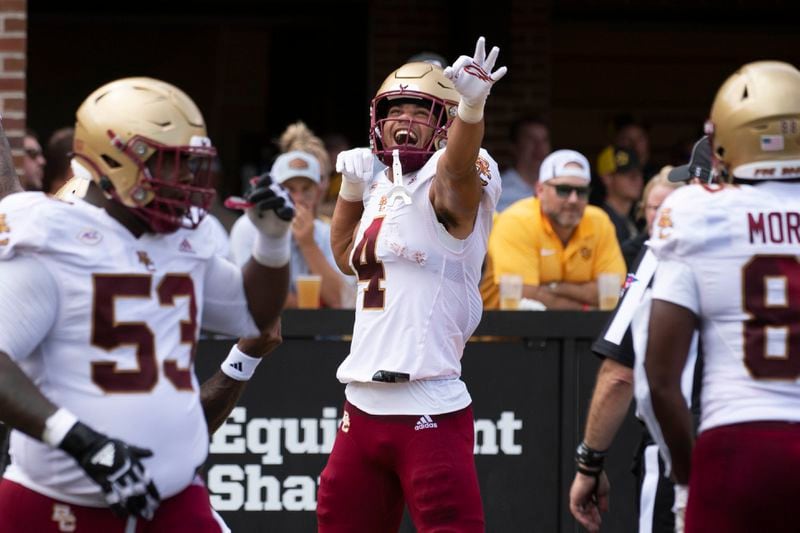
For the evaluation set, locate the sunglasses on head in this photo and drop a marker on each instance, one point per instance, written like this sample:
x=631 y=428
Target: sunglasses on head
x=565 y=191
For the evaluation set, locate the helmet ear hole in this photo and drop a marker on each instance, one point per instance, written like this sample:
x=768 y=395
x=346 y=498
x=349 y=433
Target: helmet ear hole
x=112 y=163
x=744 y=93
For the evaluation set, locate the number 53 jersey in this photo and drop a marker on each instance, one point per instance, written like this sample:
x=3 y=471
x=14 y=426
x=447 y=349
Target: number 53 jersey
x=731 y=254
x=106 y=325
x=418 y=299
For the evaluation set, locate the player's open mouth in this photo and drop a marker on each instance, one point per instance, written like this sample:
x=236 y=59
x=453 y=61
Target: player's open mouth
x=404 y=136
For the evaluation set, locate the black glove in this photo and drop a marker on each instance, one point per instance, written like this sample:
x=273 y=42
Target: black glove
x=267 y=195
x=117 y=468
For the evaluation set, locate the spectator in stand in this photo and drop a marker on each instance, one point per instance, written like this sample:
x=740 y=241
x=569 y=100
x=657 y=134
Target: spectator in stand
x=58 y=171
x=530 y=137
x=623 y=189
x=299 y=173
x=634 y=135
x=33 y=162
x=298 y=136
x=655 y=192
x=555 y=240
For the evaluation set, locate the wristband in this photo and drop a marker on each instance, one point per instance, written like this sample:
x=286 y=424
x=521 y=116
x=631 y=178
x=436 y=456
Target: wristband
x=471 y=114
x=57 y=426
x=239 y=365
x=589 y=457
x=273 y=252
x=351 y=191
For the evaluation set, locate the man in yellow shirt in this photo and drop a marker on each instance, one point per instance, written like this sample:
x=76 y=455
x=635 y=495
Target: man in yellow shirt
x=557 y=242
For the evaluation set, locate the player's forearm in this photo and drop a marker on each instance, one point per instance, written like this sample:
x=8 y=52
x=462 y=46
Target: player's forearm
x=670 y=333
x=265 y=289
x=611 y=400
x=346 y=217
x=463 y=144
x=675 y=422
x=218 y=396
x=22 y=405
x=331 y=287
x=9 y=182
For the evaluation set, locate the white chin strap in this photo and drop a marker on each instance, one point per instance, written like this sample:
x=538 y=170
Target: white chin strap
x=769 y=170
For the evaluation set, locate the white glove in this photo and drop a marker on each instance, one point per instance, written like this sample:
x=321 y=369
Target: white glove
x=356 y=168
x=679 y=506
x=473 y=79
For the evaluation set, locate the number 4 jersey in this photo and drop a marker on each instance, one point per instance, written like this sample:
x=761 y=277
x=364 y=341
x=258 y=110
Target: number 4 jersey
x=105 y=324
x=731 y=255
x=418 y=299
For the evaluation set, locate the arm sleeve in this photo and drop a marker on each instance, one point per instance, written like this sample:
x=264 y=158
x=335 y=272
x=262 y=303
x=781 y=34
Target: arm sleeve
x=225 y=308
x=243 y=234
x=512 y=250
x=675 y=283
x=28 y=305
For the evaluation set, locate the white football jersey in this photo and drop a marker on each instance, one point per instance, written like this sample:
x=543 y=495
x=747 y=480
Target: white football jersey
x=731 y=254
x=113 y=340
x=418 y=299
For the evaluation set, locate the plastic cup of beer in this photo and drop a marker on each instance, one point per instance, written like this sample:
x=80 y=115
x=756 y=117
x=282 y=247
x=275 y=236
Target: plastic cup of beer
x=510 y=291
x=608 y=287
x=308 y=289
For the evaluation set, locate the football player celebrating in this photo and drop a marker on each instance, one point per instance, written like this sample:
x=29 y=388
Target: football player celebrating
x=100 y=304
x=728 y=265
x=412 y=222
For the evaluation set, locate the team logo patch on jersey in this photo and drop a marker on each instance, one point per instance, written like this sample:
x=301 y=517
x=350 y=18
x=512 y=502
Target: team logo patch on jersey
x=146 y=261
x=482 y=166
x=586 y=253
x=90 y=236
x=425 y=422
x=664 y=223
x=62 y=514
x=346 y=422
x=186 y=246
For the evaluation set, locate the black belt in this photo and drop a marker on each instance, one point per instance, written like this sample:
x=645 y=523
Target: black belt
x=385 y=376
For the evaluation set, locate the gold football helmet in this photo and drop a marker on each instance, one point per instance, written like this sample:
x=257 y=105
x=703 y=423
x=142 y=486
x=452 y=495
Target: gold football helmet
x=755 y=122
x=420 y=83
x=144 y=142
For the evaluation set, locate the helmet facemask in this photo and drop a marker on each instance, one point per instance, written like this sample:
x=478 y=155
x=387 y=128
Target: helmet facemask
x=145 y=143
x=422 y=84
x=173 y=187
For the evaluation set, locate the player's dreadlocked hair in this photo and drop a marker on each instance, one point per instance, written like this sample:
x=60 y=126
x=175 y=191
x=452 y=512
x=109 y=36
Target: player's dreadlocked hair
x=298 y=136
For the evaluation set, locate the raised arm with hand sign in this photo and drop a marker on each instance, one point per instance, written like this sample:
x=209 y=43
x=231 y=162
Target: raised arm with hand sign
x=473 y=79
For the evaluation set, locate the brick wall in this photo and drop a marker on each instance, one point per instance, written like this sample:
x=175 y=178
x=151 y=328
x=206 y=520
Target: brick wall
x=13 y=44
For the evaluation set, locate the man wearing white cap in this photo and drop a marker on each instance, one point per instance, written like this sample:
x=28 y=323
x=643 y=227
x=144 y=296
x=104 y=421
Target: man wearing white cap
x=299 y=173
x=557 y=242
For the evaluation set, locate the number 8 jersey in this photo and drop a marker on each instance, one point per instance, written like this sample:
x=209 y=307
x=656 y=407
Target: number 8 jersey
x=731 y=255
x=418 y=299
x=105 y=325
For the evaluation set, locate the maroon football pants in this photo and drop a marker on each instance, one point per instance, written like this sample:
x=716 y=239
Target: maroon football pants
x=380 y=462
x=745 y=478
x=25 y=511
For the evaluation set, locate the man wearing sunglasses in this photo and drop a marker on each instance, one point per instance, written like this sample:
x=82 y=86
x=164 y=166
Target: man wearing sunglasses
x=33 y=163
x=557 y=242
